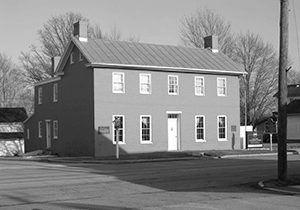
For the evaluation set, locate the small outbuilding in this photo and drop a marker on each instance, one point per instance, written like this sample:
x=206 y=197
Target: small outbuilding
x=11 y=131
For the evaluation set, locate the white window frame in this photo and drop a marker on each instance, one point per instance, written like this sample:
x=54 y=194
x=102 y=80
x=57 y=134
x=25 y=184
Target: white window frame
x=123 y=129
x=117 y=82
x=40 y=95
x=40 y=129
x=218 y=127
x=142 y=83
x=55 y=92
x=150 y=130
x=199 y=86
x=71 y=57
x=196 y=136
x=175 y=85
x=81 y=56
x=55 y=129
x=224 y=88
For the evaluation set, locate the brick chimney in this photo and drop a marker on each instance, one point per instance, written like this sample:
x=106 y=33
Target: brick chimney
x=80 y=31
x=211 y=42
x=54 y=62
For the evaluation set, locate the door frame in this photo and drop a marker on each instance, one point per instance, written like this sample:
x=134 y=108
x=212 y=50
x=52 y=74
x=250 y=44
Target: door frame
x=48 y=134
x=178 y=117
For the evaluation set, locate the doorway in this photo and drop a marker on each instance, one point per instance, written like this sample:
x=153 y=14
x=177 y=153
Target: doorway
x=173 y=131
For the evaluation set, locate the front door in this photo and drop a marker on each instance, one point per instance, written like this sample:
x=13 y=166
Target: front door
x=48 y=133
x=172 y=134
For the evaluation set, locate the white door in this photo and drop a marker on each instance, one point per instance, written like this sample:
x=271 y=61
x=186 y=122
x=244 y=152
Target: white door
x=172 y=134
x=48 y=133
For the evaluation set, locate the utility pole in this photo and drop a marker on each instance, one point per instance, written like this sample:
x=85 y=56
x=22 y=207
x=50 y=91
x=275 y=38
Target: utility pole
x=282 y=90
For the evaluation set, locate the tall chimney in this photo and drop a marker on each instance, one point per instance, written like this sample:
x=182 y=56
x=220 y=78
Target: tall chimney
x=54 y=61
x=80 y=31
x=211 y=42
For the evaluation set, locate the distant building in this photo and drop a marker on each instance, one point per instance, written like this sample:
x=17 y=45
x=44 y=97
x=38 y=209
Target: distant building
x=168 y=98
x=11 y=131
x=293 y=113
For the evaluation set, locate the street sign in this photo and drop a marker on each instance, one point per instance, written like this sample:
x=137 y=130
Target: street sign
x=270 y=126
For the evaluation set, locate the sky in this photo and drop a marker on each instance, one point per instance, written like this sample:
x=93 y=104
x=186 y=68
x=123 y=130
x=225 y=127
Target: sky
x=153 y=21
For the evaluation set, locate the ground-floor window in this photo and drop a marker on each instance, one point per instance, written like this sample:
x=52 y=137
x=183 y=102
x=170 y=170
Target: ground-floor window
x=55 y=129
x=119 y=123
x=40 y=124
x=145 y=127
x=199 y=128
x=222 y=127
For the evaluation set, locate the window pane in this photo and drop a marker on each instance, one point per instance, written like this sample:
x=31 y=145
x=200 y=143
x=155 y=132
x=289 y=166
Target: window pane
x=145 y=128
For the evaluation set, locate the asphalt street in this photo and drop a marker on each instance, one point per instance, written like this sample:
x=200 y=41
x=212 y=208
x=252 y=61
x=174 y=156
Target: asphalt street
x=229 y=184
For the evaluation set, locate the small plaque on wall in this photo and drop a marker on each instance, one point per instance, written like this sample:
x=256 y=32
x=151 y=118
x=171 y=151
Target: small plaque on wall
x=233 y=128
x=103 y=130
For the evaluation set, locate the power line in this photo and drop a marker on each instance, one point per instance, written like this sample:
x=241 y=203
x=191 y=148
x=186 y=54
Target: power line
x=297 y=36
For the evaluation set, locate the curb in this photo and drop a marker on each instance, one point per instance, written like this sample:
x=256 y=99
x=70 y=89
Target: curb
x=256 y=155
x=262 y=185
x=122 y=161
x=54 y=159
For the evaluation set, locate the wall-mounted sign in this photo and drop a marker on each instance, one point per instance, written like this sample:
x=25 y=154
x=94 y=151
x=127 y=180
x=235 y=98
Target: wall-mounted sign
x=233 y=128
x=103 y=130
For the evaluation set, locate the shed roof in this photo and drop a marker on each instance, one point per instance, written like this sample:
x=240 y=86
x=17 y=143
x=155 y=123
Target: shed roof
x=9 y=115
x=293 y=91
x=152 y=56
x=293 y=107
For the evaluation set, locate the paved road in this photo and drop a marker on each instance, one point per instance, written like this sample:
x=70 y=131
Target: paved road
x=212 y=184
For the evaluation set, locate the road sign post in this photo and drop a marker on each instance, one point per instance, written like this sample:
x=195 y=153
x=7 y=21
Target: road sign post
x=117 y=123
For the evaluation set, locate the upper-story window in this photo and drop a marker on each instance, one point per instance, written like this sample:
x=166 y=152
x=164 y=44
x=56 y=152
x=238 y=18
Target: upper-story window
x=118 y=82
x=72 y=57
x=40 y=95
x=173 y=85
x=221 y=86
x=55 y=92
x=199 y=86
x=145 y=83
x=80 y=56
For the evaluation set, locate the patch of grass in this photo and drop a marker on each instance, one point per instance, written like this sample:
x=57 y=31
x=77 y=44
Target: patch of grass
x=273 y=183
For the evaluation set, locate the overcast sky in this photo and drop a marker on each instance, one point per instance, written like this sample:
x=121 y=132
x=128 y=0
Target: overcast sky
x=154 y=21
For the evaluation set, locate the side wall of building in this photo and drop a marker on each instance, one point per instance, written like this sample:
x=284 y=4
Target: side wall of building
x=159 y=104
x=73 y=112
x=293 y=127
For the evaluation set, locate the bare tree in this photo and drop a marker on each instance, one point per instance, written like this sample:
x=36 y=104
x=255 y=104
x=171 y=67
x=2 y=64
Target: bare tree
x=113 y=34
x=260 y=84
x=14 y=92
x=54 y=37
x=206 y=22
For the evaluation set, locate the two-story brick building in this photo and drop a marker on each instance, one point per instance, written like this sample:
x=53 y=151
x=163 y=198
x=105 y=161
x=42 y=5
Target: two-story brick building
x=168 y=98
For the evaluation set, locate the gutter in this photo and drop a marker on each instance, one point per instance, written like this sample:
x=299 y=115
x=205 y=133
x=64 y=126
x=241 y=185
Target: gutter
x=162 y=68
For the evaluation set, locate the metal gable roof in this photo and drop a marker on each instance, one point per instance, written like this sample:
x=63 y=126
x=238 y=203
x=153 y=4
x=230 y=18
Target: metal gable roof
x=122 y=53
x=8 y=115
